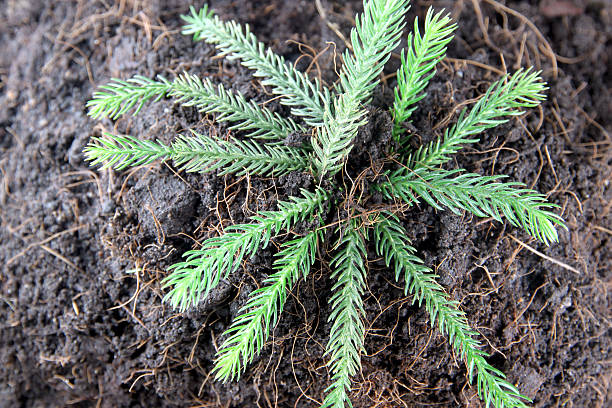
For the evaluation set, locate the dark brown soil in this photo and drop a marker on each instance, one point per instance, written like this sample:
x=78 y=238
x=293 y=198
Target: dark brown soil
x=83 y=251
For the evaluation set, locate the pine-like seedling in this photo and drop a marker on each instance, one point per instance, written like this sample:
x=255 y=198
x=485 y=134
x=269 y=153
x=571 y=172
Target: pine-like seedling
x=333 y=117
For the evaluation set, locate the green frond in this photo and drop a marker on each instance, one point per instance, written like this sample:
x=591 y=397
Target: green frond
x=395 y=248
x=419 y=65
x=346 y=337
x=121 y=152
x=306 y=97
x=119 y=97
x=483 y=196
x=376 y=34
x=202 y=269
x=250 y=330
x=198 y=153
x=503 y=100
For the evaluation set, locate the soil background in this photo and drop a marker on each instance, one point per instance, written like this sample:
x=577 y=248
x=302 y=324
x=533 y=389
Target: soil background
x=82 y=251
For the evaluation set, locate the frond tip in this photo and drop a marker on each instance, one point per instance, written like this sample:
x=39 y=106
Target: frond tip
x=395 y=248
x=120 y=152
x=118 y=97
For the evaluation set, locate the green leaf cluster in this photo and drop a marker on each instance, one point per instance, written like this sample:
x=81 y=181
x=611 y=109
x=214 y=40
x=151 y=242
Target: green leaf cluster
x=250 y=330
x=203 y=268
x=198 y=153
x=418 y=66
x=376 y=34
x=333 y=117
x=397 y=250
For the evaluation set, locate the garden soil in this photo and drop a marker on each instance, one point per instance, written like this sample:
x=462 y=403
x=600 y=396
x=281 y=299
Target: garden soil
x=83 y=250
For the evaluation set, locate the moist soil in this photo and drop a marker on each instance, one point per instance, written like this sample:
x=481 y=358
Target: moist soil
x=83 y=250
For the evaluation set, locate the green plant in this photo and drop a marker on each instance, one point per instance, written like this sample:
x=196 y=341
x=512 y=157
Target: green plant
x=333 y=117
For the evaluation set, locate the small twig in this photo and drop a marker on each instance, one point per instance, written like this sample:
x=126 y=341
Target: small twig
x=61 y=258
x=334 y=27
x=548 y=258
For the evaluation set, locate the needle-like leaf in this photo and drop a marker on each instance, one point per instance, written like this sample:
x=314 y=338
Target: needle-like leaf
x=119 y=97
x=503 y=100
x=346 y=336
x=376 y=34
